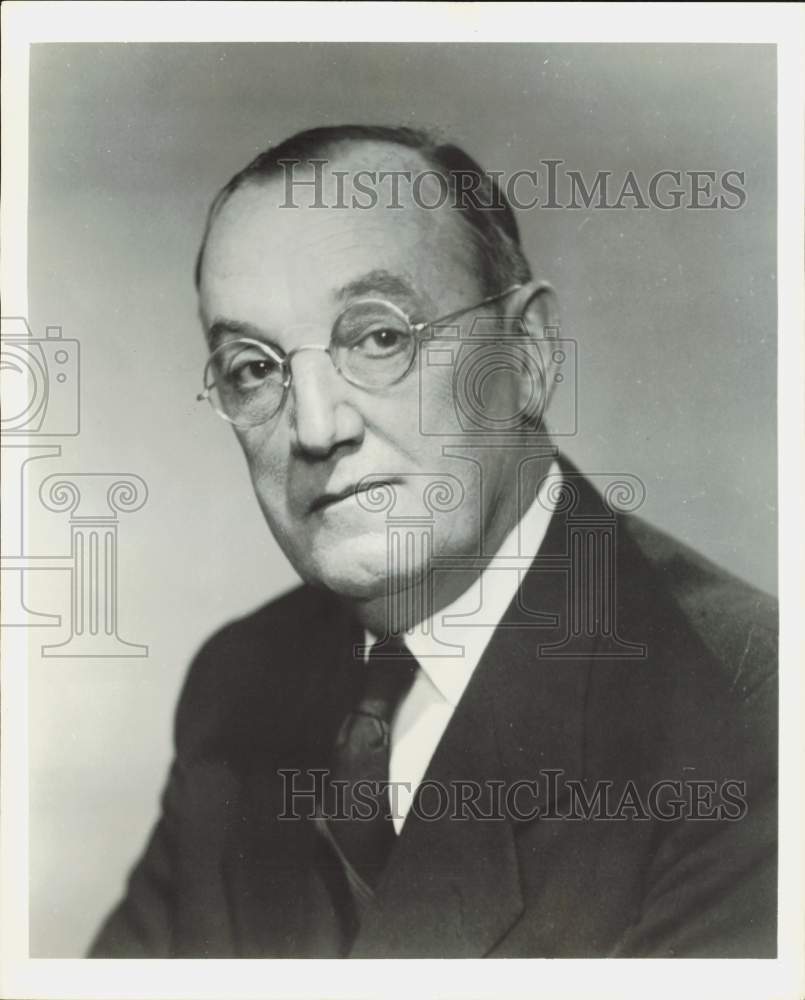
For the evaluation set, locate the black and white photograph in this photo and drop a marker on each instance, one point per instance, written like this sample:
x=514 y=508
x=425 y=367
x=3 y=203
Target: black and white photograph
x=402 y=481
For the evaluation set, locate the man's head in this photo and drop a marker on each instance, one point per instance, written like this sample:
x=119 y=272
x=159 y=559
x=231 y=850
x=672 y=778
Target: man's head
x=282 y=259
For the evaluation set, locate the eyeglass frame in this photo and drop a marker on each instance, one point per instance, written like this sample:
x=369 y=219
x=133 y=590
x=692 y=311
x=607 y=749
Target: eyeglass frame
x=284 y=359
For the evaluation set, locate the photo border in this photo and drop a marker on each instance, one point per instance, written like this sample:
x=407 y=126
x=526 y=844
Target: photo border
x=26 y=23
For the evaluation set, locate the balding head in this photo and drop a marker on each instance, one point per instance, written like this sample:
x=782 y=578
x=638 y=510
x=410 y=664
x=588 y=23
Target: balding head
x=382 y=163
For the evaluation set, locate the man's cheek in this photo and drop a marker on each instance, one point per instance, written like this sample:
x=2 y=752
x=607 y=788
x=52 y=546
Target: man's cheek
x=271 y=492
x=266 y=462
x=269 y=481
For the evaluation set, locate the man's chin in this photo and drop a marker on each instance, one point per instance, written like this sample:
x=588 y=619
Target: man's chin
x=358 y=568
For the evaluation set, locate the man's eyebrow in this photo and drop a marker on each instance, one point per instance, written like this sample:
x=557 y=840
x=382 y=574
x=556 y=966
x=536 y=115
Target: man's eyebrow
x=222 y=329
x=378 y=282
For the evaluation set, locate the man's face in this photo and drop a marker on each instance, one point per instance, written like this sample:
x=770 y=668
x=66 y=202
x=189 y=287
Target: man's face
x=284 y=274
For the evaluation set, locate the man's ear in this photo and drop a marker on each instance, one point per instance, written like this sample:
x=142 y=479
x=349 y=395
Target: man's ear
x=535 y=305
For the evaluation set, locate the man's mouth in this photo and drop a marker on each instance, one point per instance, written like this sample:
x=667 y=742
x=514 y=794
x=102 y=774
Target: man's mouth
x=332 y=497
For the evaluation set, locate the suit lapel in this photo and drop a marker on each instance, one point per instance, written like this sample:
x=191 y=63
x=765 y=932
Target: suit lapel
x=451 y=887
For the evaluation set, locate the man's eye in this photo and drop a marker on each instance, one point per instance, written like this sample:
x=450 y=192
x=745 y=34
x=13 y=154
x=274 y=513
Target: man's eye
x=381 y=343
x=247 y=374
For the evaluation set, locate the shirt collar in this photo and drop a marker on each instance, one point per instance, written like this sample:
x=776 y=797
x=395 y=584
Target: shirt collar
x=478 y=611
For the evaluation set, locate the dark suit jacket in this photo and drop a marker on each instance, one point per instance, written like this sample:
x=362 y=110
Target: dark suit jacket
x=222 y=876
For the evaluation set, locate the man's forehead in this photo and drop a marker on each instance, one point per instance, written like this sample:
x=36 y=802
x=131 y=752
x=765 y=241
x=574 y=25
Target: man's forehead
x=360 y=203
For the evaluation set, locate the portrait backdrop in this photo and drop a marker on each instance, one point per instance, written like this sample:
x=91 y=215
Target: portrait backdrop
x=673 y=313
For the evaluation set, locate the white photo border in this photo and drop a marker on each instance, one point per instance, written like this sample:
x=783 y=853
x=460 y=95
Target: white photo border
x=25 y=23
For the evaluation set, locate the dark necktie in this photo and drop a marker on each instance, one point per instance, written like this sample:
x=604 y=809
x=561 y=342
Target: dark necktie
x=362 y=828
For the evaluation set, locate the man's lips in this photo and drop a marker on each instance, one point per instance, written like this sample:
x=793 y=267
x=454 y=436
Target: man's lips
x=335 y=496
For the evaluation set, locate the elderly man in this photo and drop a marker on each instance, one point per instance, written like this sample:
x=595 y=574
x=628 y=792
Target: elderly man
x=500 y=717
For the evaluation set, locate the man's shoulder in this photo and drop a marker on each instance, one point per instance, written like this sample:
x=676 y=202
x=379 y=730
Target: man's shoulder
x=687 y=605
x=735 y=621
x=701 y=698
x=281 y=622
x=248 y=667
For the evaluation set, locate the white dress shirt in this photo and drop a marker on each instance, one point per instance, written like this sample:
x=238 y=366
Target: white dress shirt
x=468 y=623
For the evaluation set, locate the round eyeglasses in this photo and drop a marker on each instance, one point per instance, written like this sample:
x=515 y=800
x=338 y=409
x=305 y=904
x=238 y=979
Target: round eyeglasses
x=373 y=345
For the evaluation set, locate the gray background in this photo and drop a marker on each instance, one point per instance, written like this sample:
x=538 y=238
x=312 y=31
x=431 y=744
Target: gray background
x=674 y=313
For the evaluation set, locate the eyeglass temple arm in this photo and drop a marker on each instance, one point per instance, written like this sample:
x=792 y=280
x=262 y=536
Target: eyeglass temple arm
x=419 y=327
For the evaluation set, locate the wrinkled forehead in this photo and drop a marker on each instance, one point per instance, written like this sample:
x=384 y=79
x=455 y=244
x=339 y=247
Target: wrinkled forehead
x=297 y=239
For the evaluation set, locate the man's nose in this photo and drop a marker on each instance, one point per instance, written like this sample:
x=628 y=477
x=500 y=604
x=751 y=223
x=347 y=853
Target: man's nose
x=322 y=415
